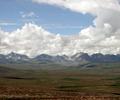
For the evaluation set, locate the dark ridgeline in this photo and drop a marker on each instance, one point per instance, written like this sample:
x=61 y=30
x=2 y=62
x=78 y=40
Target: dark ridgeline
x=63 y=59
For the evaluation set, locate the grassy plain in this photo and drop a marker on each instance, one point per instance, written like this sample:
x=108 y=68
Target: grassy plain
x=101 y=82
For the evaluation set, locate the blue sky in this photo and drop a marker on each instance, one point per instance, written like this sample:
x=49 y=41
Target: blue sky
x=51 y=18
x=44 y=24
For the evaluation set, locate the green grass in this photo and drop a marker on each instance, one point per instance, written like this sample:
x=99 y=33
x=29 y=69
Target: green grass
x=72 y=79
x=99 y=80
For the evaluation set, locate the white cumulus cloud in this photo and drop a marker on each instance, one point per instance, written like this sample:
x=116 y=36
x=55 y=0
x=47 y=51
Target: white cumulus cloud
x=28 y=14
x=103 y=36
x=31 y=40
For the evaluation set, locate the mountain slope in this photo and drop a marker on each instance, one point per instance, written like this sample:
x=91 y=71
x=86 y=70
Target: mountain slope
x=79 y=58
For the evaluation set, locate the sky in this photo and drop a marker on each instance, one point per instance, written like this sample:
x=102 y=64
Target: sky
x=58 y=27
x=15 y=13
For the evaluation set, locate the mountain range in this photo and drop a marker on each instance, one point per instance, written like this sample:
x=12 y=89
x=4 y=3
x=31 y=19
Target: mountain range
x=14 y=58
